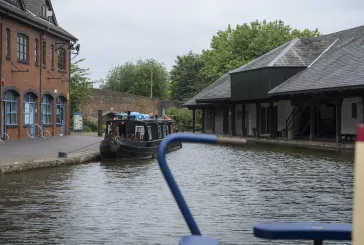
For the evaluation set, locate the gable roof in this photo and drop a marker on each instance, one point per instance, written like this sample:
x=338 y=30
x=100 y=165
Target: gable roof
x=35 y=7
x=220 y=89
x=298 y=52
x=341 y=66
x=30 y=18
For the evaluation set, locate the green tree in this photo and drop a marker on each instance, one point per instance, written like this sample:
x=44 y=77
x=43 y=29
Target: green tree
x=137 y=78
x=184 y=76
x=80 y=85
x=233 y=48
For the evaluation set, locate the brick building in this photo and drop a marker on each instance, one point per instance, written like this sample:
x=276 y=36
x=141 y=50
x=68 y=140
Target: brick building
x=35 y=69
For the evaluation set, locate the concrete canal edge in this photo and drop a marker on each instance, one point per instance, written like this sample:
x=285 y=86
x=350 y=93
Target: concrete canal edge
x=320 y=145
x=27 y=165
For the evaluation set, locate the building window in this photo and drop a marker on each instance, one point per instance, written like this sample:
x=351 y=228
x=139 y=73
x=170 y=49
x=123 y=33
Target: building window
x=164 y=131
x=11 y=107
x=159 y=131
x=61 y=59
x=22 y=48
x=7 y=44
x=43 y=12
x=44 y=54
x=52 y=56
x=149 y=132
x=47 y=109
x=60 y=109
x=354 y=110
x=29 y=106
x=36 y=52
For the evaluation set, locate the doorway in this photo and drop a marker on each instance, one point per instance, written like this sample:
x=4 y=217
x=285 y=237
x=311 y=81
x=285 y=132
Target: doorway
x=61 y=114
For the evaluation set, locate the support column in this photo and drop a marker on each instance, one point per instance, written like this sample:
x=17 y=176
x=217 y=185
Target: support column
x=203 y=120
x=338 y=120
x=193 y=120
x=270 y=119
x=243 y=133
x=312 y=122
x=232 y=109
x=213 y=119
x=318 y=119
x=258 y=119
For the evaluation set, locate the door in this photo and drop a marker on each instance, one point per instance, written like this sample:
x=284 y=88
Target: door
x=61 y=114
x=63 y=119
x=32 y=118
x=29 y=117
x=3 y=127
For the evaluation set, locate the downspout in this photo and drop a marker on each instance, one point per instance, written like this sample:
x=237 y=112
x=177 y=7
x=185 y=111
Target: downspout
x=40 y=48
x=69 y=95
x=1 y=82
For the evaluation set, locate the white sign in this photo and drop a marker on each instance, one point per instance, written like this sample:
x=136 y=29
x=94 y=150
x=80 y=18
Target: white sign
x=77 y=121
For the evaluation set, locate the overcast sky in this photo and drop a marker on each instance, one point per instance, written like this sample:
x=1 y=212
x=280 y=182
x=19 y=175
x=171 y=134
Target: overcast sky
x=112 y=32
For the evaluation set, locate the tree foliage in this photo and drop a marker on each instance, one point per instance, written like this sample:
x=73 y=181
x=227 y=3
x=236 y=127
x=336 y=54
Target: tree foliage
x=184 y=117
x=80 y=85
x=137 y=78
x=184 y=76
x=230 y=49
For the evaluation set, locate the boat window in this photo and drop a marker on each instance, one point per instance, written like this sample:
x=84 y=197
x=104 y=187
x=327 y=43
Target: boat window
x=150 y=132
x=165 y=131
x=139 y=132
x=159 y=131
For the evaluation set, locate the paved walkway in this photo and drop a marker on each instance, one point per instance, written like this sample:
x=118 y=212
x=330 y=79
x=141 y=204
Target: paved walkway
x=35 y=149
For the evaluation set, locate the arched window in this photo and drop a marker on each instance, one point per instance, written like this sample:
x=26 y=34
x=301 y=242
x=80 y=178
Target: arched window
x=36 y=52
x=61 y=59
x=29 y=107
x=11 y=107
x=52 y=56
x=44 y=55
x=7 y=44
x=43 y=12
x=60 y=109
x=47 y=109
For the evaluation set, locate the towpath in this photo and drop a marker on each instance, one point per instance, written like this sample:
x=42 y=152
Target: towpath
x=37 y=149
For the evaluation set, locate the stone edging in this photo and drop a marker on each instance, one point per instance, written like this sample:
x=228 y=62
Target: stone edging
x=73 y=159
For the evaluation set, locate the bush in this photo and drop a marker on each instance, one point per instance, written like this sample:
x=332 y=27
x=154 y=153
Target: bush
x=89 y=125
x=184 y=117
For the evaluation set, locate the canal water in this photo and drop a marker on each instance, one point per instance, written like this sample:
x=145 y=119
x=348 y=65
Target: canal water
x=228 y=190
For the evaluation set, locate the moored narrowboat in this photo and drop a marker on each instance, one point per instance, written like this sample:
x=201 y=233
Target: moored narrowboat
x=135 y=139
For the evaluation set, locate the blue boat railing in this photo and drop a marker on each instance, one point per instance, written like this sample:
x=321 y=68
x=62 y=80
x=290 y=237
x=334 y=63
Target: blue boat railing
x=316 y=232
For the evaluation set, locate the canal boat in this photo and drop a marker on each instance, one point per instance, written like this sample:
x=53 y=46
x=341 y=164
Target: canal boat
x=133 y=138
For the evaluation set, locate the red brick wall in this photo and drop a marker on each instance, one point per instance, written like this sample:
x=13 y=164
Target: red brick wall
x=23 y=81
x=111 y=101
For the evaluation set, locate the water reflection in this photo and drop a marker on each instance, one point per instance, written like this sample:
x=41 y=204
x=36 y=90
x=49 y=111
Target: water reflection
x=228 y=190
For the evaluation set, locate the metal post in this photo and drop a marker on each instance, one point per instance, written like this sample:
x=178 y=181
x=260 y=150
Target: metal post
x=99 y=120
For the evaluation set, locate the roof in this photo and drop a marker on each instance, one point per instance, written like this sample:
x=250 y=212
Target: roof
x=220 y=89
x=341 y=66
x=31 y=18
x=299 y=52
